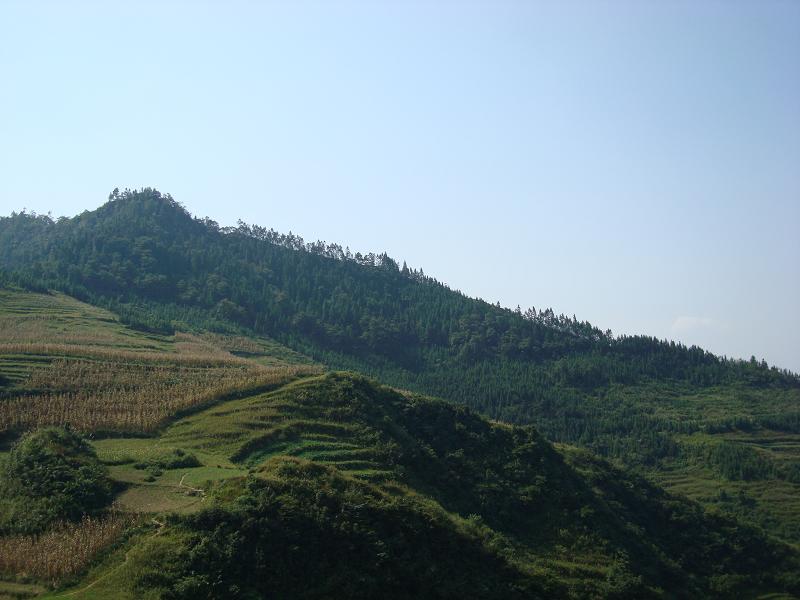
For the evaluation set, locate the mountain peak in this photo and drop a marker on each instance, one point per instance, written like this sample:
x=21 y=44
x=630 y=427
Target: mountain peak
x=144 y=199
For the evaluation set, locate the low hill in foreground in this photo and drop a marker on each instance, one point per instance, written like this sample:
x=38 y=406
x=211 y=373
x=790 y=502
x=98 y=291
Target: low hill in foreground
x=272 y=478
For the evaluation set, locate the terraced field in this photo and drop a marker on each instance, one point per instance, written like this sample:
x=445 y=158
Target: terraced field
x=34 y=328
x=773 y=502
x=236 y=437
x=19 y=591
x=65 y=362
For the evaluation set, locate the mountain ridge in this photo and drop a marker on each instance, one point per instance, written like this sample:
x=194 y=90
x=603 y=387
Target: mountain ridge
x=165 y=217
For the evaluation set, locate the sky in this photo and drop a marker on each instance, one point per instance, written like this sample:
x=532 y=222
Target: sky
x=636 y=164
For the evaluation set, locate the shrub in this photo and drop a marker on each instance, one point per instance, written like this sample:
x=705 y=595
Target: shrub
x=50 y=475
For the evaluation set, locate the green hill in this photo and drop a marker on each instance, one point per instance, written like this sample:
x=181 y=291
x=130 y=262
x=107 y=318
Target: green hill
x=330 y=485
x=198 y=360
x=722 y=431
x=375 y=493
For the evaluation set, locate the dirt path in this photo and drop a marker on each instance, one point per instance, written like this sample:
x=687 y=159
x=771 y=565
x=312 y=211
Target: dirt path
x=193 y=489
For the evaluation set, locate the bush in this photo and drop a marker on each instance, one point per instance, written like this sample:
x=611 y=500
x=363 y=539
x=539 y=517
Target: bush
x=50 y=475
x=177 y=459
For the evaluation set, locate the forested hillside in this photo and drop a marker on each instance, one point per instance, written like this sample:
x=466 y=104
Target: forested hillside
x=143 y=245
x=280 y=481
x=674 y=411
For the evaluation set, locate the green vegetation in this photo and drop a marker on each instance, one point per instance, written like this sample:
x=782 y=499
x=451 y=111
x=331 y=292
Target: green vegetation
x=50 y=475
x=302 y=530
x=627 y=398
x=333 y=486
x=192 y=360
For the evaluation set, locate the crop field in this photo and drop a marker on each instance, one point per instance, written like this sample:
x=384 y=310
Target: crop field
x=12 y=590
x=184 y=467
x=63 y=551
x=229 y=440
x=65 y=362
x=732 y=448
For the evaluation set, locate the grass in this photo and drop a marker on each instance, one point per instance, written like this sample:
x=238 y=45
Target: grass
x=64 y=361
x=11 y=590
x=770 y=503
x=232 y=438
x=274 y=435
x=238 y=405
x=705 y=409
x=109 y=578
x=769 y=500
x=290 y=420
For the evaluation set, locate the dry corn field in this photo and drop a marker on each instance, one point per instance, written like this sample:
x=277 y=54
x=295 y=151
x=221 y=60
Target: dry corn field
x=28 y=317
x=71 y=363
x=129 y=397
x=64 y=550
x=183 y=357
x=233 y=343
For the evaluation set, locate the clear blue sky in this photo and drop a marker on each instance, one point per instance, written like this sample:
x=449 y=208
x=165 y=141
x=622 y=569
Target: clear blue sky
x=636 y=164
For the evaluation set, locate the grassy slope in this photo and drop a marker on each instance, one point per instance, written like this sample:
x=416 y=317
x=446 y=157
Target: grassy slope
x=772 y=503
x=564 y=522
x=35 y=327
x=28 y=318
x=480 y=480
x=690 y=422
x=655 y=427
x=699 y=421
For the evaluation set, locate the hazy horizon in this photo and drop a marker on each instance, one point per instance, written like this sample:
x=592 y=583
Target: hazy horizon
x=635 y=165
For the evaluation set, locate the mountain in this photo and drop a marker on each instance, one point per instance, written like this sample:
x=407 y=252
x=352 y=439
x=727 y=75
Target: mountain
x=239 y=468
x=725 y=432
x=201 y=362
